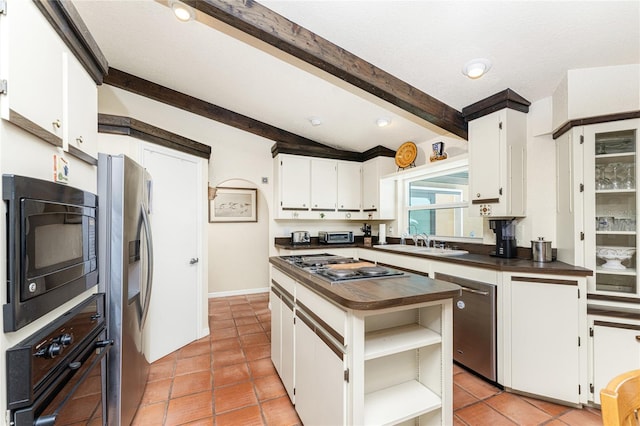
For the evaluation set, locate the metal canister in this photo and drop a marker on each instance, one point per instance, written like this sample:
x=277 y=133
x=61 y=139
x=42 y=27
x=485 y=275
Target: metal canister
x=541 y=250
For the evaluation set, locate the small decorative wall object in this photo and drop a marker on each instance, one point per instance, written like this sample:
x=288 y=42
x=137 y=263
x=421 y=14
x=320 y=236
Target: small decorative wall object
x=234 y=205
x=60 y=169
x=437 y=152
x=406 y=155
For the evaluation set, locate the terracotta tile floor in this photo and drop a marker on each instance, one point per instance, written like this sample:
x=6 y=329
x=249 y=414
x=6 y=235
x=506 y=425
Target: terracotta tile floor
x=227 y=379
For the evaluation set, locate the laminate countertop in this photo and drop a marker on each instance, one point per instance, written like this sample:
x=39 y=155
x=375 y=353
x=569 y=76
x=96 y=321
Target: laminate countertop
x=471 y=259
x=372 y=294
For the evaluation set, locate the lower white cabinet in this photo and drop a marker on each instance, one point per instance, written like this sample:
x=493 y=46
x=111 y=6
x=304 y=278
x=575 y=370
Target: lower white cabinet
x=615 y=349
x=546 y=350
x=287 y=372
x=320 y=378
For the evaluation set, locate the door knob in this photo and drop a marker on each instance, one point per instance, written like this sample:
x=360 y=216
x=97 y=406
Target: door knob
x=194 y=260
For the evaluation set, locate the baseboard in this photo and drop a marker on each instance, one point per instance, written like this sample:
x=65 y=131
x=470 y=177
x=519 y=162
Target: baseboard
x=238 y=292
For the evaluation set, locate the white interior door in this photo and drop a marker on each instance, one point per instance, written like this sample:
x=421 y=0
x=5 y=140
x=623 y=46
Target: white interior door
x=174 y=309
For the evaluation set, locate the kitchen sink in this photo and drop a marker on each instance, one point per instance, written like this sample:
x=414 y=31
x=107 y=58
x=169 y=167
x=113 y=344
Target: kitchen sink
x=433 y=251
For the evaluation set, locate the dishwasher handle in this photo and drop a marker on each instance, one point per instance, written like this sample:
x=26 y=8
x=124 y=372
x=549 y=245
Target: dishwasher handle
x=474 y=291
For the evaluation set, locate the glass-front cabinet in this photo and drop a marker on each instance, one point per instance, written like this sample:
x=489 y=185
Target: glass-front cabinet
x=611 y=207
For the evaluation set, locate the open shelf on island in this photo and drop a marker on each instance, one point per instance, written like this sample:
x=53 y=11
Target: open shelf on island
x=389 y=341
x=399 y=403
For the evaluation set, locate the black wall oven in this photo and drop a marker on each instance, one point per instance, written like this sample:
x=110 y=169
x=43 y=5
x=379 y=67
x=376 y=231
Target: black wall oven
x=52 y=247
x=57 y=375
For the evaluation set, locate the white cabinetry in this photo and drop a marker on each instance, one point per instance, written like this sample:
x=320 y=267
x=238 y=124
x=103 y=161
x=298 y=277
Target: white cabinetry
x=378 y=196
x=324 y=184
x=282 y=332
x=80 y=108
x=317 y=188
x=294 y=179
x=615 y=350
x=33 y=68
x=49 y=93
x=547 y=340
x=497 y=164
x=349 y=186
x=611 y=207
x=598 y=204
x=320 y=375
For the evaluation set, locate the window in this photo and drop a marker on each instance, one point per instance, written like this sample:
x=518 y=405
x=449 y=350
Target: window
x=436 y=204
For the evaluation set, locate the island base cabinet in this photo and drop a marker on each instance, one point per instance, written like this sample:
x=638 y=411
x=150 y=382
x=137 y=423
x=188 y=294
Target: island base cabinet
x=320 y=379
x=408 y=368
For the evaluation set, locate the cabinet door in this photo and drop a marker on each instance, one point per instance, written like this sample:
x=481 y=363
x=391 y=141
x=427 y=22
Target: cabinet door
x=484 y=154
x=349 y=186
x=545 y=358
x=295 y=176
x=32 y=52
x=370 y=183
x=611 y=206
x=320 y=385
x=323 y=184
x=276 y=330
x=287 y=372
x=616 y=349
x=80 y=108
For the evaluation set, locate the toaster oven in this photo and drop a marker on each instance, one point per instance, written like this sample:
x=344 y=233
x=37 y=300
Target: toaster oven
x=337 y=237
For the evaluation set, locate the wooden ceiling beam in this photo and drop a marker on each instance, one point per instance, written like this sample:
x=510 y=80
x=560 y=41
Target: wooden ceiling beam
x=264 y=24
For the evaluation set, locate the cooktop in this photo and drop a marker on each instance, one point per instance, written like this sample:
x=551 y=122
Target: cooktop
x=336 y=269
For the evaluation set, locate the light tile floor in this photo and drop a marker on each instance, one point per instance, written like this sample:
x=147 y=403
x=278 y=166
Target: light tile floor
x=227 y=378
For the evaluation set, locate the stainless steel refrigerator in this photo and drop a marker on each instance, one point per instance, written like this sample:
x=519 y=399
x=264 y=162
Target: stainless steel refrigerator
x=126 y=276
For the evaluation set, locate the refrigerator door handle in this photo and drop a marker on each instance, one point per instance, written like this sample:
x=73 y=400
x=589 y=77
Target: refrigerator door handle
x=149 y=284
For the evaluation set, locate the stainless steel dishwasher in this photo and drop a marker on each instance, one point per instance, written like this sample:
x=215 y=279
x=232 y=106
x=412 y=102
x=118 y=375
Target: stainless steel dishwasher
x=474 y=326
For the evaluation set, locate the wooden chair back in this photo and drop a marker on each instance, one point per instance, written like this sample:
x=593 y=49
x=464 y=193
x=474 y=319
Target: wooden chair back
x=620 y=400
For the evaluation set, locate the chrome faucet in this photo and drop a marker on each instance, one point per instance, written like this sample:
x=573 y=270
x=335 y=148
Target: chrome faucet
x=425 y=239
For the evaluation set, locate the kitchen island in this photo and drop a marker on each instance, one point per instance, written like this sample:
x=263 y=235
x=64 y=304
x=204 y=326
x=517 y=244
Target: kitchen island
x=368 y=351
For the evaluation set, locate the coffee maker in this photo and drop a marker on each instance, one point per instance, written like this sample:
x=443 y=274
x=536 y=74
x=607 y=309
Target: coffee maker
x=505 y=230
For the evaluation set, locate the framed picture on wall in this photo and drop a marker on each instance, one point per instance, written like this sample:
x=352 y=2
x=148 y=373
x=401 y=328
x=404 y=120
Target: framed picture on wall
x=234 y=205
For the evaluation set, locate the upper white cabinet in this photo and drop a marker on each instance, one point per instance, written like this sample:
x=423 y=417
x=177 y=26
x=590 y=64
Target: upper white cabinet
x=349 y=186
x=80 y=110
x=611 y=206
x=48 y=91
x=32 y=66
x=497 y=155
x=318 y=188
x=324 y=184
x=294 y=179
x=378 y=196
x=598 y=204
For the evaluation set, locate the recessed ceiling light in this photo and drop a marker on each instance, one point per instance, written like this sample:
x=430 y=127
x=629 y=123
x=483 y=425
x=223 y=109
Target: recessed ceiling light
x=476 y=68
x=382 y=122
x=315 y=121
x=183 y=12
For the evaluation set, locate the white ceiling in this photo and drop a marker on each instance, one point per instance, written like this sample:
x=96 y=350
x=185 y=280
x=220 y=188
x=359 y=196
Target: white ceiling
x=531 y=45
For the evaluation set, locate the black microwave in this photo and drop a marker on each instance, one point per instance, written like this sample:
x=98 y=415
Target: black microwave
x=52 y=247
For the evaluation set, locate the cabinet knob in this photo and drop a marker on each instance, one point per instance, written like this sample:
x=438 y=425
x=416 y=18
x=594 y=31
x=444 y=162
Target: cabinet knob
x=79 y=139
x=638 y=338
x=57 y=124
x=478 y=195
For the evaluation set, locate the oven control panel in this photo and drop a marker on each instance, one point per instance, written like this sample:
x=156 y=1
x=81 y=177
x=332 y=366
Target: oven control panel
x=34 y=363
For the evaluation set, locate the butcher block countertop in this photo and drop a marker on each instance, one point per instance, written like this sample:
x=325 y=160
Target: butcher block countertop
x=373 y=294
